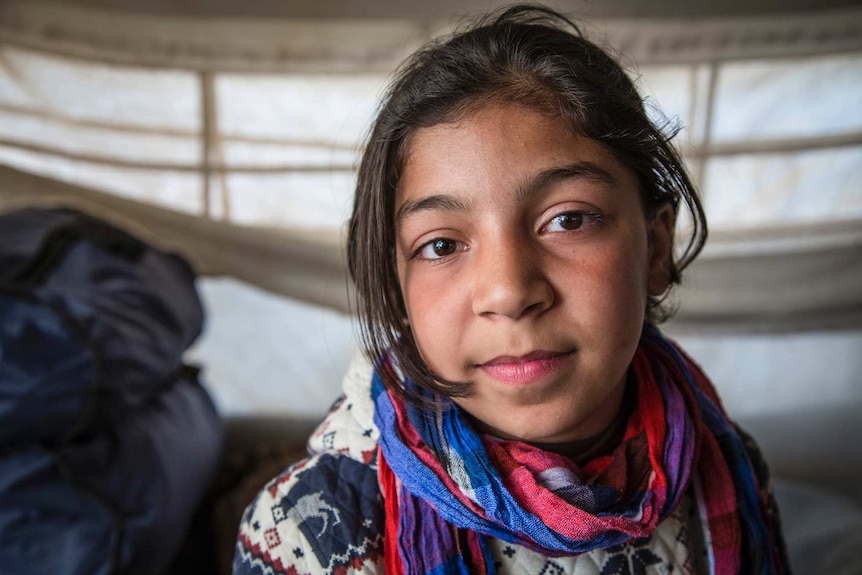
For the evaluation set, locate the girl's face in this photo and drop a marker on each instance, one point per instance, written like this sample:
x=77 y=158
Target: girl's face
x=525 y=261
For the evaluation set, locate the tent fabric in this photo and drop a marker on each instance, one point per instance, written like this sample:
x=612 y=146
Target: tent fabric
x=798 y=277
x=223 y=44
x=317 y=45
x=235 y=140
x=301 y=265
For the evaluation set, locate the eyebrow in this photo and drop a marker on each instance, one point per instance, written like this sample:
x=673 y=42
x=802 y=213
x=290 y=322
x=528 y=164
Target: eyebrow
x=551 y=176
x=544 y=179
x=437 y=202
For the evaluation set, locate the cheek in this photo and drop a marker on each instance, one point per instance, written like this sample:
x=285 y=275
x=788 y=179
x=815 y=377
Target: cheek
x=612 y=292
x=437 y=341
x=424 y=303
x=433 y=321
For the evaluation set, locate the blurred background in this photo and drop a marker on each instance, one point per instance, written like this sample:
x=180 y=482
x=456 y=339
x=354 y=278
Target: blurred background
x=230 y=132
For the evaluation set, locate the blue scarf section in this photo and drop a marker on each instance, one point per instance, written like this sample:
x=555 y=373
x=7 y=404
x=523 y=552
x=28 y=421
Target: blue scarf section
x=451 y=493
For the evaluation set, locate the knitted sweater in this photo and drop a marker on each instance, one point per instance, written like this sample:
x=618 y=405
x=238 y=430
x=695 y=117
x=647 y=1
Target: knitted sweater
x=325 y=514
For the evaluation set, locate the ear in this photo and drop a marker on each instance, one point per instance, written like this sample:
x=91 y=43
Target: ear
x=660 y=250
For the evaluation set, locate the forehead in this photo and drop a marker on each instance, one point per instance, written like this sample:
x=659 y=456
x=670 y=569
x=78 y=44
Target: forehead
x=481 y=127
x=500 y=146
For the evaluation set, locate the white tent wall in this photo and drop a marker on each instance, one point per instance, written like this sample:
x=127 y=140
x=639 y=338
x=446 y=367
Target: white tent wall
x=232 y=138
x=752 y=316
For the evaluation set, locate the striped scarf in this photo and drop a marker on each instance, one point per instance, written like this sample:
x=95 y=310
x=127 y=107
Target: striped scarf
x=446 y=487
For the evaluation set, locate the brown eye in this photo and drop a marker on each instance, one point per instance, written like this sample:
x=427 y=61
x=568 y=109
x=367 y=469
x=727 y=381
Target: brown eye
x=569 y=221
x=574 y=221
x=443 y=247
x=437 y=249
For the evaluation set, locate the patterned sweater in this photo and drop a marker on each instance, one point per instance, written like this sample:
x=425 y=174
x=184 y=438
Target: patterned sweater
x=325 y=514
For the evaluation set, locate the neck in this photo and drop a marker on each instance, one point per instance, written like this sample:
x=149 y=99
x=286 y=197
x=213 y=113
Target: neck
x=582 y=451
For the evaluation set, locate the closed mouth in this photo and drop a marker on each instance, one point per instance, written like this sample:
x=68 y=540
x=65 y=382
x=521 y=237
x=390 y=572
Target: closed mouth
x=525 y=369
x=516 y=360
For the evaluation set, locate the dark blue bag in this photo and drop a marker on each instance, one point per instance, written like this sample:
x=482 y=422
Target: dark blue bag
x=107 y=440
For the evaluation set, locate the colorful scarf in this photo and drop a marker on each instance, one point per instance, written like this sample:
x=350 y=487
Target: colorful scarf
x=446 y=486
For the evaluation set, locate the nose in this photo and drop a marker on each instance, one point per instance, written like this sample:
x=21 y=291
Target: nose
x=510 y=281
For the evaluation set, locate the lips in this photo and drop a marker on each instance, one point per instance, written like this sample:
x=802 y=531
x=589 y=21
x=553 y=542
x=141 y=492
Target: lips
x=526 y=369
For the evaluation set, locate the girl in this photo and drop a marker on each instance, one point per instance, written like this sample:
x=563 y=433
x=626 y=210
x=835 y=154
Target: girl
x=511 y=243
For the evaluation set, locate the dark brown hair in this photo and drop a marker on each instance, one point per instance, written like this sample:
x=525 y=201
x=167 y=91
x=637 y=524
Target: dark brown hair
x=529 y=55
